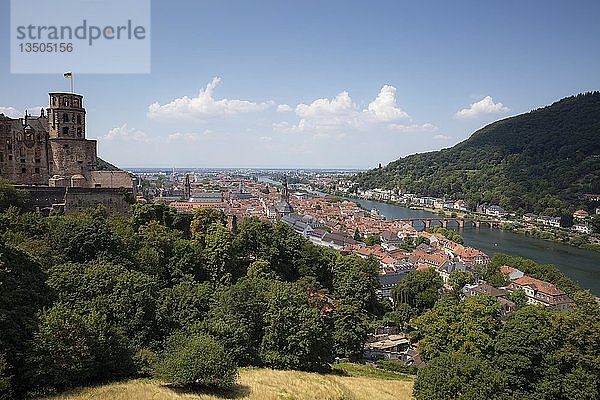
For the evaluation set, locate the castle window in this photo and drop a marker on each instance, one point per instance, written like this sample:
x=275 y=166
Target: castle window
x=10 y=157
x=37 y=170
x=65 y=130
x=23 y=160
x=79 y=119
x=78 y=132
x=37 y=160
x=76 y=103
x=1 y=157
x=65 y=117
x=23 y=170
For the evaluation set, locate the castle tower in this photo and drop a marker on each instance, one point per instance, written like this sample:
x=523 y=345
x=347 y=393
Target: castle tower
x=71 y=154
x=66 y=116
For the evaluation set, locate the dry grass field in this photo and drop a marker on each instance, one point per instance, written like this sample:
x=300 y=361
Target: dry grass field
x=263 y=384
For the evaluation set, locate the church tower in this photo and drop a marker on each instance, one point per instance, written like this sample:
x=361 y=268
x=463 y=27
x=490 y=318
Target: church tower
x=283 y=207
x=187 y=188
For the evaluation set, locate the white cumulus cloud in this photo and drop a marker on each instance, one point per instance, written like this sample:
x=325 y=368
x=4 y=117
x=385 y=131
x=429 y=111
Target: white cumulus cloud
x=126 y=133
x=341 y=105
x=442 y=137
x=384 y=107
x=427 y=127
x=284 y=108
x=12 y=112
x=204 y=105
x=483 y=107
x=189 y=136
x=341 y=113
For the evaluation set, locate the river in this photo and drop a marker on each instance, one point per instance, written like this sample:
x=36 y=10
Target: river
x=583 y=266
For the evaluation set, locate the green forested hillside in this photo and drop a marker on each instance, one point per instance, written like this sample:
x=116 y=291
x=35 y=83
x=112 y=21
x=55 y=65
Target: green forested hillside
x=540 y=161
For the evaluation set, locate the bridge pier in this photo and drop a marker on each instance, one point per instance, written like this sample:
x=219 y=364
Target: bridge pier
x=461 y=223
x=445 y=223
x=427 y=224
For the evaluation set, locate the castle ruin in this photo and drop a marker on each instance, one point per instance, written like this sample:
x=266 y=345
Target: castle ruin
x=49 y=154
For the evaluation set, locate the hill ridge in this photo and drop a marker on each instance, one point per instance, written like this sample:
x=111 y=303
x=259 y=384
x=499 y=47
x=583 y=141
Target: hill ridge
x=542 y=160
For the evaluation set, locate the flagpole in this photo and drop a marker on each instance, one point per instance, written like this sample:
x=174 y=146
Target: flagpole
x=72 y=82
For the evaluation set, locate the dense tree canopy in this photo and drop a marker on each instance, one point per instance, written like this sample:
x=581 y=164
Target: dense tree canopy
x=539 y=353
x=23 y=293
x=11 y=197
x=295 y=337
x=467 y=327
x=418 y=289
x=354 y=286
x=92 y=297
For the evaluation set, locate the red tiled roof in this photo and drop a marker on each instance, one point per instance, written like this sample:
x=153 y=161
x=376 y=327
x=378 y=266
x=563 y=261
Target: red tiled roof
x=541 y=286
x=507 y=269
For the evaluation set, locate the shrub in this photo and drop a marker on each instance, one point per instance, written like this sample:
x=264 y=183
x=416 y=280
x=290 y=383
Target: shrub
x=197 y=360
x=144 y=361
x=396 y=367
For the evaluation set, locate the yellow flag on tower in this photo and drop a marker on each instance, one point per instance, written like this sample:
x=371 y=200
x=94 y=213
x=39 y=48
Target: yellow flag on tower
x=68 y=75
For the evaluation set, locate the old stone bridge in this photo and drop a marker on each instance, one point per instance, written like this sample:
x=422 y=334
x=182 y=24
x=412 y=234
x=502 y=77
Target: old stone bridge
x=455 y=222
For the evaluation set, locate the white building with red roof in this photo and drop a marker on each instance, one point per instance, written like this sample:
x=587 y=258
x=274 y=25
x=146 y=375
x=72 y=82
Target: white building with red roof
x=541 y=293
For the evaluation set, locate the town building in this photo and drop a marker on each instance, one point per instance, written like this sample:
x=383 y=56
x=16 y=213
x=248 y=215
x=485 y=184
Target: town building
x=582 y=228
x=549 y=221
x=510 y=272
x=541 y=293
x=493 y=210
x=580 y=214
x=390 y=347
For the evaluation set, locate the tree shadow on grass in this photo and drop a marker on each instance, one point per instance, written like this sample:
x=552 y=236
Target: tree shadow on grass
x=235 y=392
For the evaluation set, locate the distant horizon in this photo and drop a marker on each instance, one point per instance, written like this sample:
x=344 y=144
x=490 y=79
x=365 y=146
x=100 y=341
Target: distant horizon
x=278 y=168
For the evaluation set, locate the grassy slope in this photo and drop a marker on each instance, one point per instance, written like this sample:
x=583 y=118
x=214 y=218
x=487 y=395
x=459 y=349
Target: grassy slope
x=265 y=384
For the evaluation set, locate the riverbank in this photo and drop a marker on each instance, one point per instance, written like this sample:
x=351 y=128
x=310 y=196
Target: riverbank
x=565 y=237
x=581 y=265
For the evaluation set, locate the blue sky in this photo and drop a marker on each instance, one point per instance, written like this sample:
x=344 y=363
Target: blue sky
x=324 y=83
